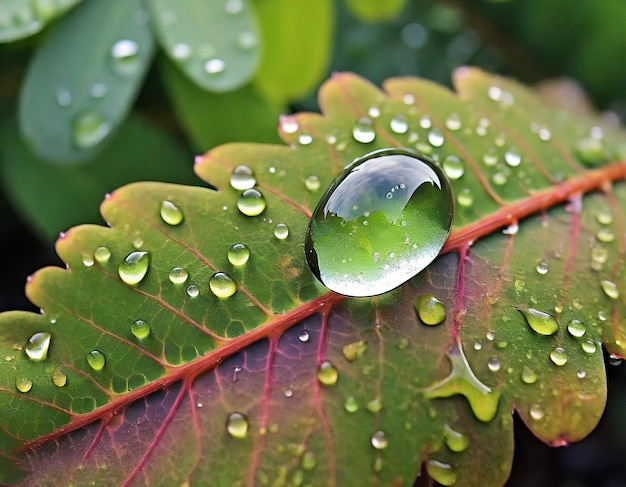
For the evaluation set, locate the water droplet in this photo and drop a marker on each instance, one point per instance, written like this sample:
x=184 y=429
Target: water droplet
x=214 y=66
x=478 y=345
x=37 y=346
x=89 y=129
x=453 y=122
x=242 y=178
x=134 y=267
x=490 y=157
x=140 y=329
x=238 y=254
x=536 y=412
x=23 y=384
x=499 y=178
x=312 y=183
x=222 y=285
x=339 y=247
x=124 y=53
x=430 y=310
x=576 y=328
x=350 y=404
x=170 y=213
x=88 y=260
x=512 y=157
x=98 y=90
x=305 y=139
x=96 y=360
x=137 y=242
x=610 y=289
x=581 y=374
x=363 y=131
x=237 y=425
x=251 y=202
x=453 y=166
x=304 y=336
x=493 y=364
x=193 y=291
x=589 y=347
x=604 y=217
x=540 y=321
x=465 y=198
x=491 y=335
x=408 y=99
x=181 y=51
x=591 y=152
x=379 y=440
x=441 y=472
x=327 y=373
x=64 y=97
x=281 y=231
x=399 y=124
x=354 y=350
x=59 y=379
x=308 y=460
x=435 y=138
x=178 y=275
x=233 y=6
x=558 y=356
x=102 y=255
x=615 y=360
x=289 y=125
x=457 y=442
x=529 y=376
x=542 y=267
x=374 y=406
x=605 y=235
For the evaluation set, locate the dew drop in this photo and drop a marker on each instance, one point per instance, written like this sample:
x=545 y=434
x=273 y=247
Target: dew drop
x=242 y=178
x=312 y=183
x=308 y=460
x=478 y=345
x=88 y=260
x=233 y=6
x=379 y=440
x=124 y=55
x=64 y=97
x=327 y=373
x=89 y=129
x=374 y=406
x=441 y=472
x=354 y=350
x=581 y=374
x=96 y=360
x=512 y=157
x=289 y=125
x=59 y=379
x=339 y=247
x=430 y=310
x=542 y=267
x=305 y=139
x=465 y=198
x=102 y=255
x=140 y=329
x=23 y=384
x=237 y=425
x=222 y=285
x=529 y=376
x=576 y=328
x=399 y=124
x=363 y=131
x=181 y=51
x=281 y=231
x=134 y=267
x=37 y=346
x=558 y=356
x=251 y=202
x=590 y=152
x=455 y=441
x=350 y=404
x=214 y=66
x=493 y=364
x=490 y=157
x=98 y=90
x=193 y=291
x=238 y=254
x=540 y=321
x=588 y=347
x=435 y=138
x=453 y=122
x=604 y=217
x=178 y=275
x=615 y=360
x=304 y=336
x=453 y=167
x=536 y=412
x=425 y=122
x=605 y=235
x=170 y=213
x=610 y=289
x=499 y=178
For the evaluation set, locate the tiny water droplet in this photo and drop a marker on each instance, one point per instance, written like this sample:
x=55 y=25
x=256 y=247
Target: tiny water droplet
x=350 y=404
x=134 y=267
x=455 y=441
x=493 y=364
x=590 y=151
x=215 y=66
x=137 y=242
x=540 y=321
x=238 y=254
x=312 y=183
x=327 y=373
x=499 y=178
x=430 y=310
x=478 y=345
x=512 y=157
x=379 y=440
x=542 y=267
x=354 y=350
x=124 y=54
x=581 y=374
x=529 y=376
x=251 y=202
x=96 y=360
x=64 y=97
x=181 y=51
x=89 y=129
x=304 y=336
x=441 y=472
x=435 y=138
x=242 y=178
x=363 y=131
x=589 y=347
x=102 y=255
x=453 y=122
x=491 y=335
x=98 y=90
x=140 y=329
x=610 y=289
x=576 y=328
x=373 y=111
x=37 y=346
x=465 y=198
x=23 y=384
x=193 y=291
x=170 y=213
x=536 y=412
x=178 y=275
x=222 y=285
x=281 y=231
x=237 y=425
x=247 y=40
x=59 y=379
x=558 y=356
x=453 y=167
x=399 y=124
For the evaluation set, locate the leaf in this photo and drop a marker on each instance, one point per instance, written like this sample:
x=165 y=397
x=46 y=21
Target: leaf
x=373 y=11
x=216 y=44
x=19 y=19
x=69 y=109
x=333 y=391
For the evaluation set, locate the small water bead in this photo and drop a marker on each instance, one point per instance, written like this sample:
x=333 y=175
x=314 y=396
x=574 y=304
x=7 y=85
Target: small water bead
x=222 y=285
x=134 y=267
x=37 y=346
x=170 y=213
x=529 y=376
x=576 y=328
x=304 y=336
x=23 y=384
x=288 y=124
x=610 y=289
x=605 y=235
x=339 y=246
x=441 y=472
x=305 y=139
x=96 y=360
x=88 y=260
x=281 y=231
x=542 y=267
x=193 y=291
x=242 y=178
x=590 y=151
x=379 y=440
x=64 y=97
x=137 y=242
x=181 y=51
x=238 y=254
x=490 y=157
x=540 y=321
x=363 y=131
x=251 y=202
x=435 y=138
x=124 y=53
x=350 y=404
x=374 y=111
x=89 y=128
x=327 y=373
x=312 y=183
x=536 y=412
x=430 y=310
x=588 y=347
x=408 y=99
x=455 y=441
x=102 y=255
x=499 y=178
x=558 y=356
x=465 y=198
x=237 y=425
x=453 y=167
x=399 y=124
x=354 y=350
x=453 y=122
x=604 y=217
x=581 y=374
x=478 y=345
x=425 y=122
x=233 y=6
x=98 y=90
x=491 y=335
x=59 y=379
x=493 y=364
x=140 y=329
x=215 y=66
x=374 y=406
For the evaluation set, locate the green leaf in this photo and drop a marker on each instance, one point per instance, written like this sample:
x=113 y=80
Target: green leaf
x=285 y=381
x=296 y=46
x=19 y=19
x=376 y=11
x=69 y=108
x=216 y=44
x=211 y=119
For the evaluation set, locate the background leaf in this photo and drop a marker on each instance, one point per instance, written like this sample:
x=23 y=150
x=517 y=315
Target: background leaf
x=373 y=11
x=19 y=19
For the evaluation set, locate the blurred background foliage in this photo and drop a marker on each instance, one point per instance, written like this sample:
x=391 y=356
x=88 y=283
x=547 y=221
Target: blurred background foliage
x=95 y=94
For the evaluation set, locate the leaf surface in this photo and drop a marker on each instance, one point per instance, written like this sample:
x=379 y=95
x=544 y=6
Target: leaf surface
x=19 y=19
x=334 y=391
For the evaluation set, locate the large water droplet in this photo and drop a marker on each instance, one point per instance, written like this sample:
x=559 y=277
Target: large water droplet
x=222 y=285
x=540 y=321
x=238 y=254
x=379 y=440
x=251 y=202
x=23 y=384
x=441 y=472
x=178 y=275
x=403 y=197
x=588 y=347
x=96 y=359
x=576 y=328
x=140 y=329
x=37 y=346
x=453 y=166
x=89 y=129
x=170 y=213
x=512 y=157
x=457 y=442
x=242 y=178
x=558 y=356
x=134 y=267
x=529 y=376
x=237 y=425
x=430 y=310
x=610 y=289
x=363 y=131
x=281 y=231
x=124 y=54
x=327 y=373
